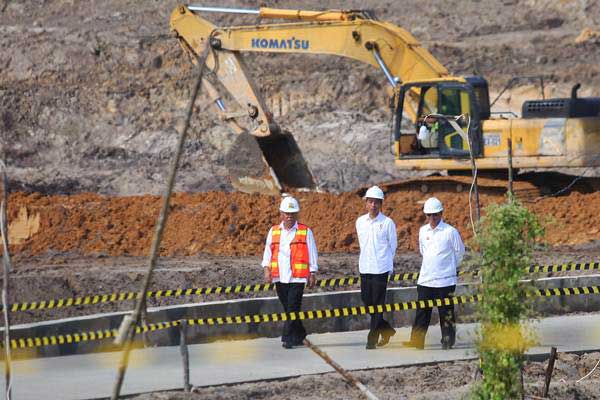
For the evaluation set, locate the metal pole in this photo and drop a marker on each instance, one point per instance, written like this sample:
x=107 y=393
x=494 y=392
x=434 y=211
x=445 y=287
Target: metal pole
x=224 y=10
x=510 y=168
x=476 y=193
x=349 y=378
x=475 y=185
x=185 y=358
x=549 y=371
x=391 y=80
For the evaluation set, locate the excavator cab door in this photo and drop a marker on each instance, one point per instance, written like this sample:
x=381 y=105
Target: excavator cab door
x=456 y=99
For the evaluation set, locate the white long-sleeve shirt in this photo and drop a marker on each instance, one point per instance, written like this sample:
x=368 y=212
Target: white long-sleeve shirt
x=378 y=242
x=284 y=255
x=442 y=250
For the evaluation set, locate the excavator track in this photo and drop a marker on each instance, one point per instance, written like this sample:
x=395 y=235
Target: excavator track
x=524 y=191
x=527 y=187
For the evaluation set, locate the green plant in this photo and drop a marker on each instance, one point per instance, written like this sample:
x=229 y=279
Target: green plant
x=506 y=237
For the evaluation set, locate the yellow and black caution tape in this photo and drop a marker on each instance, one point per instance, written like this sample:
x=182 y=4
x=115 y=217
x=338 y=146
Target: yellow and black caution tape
x=254 y=288
x=275 y=317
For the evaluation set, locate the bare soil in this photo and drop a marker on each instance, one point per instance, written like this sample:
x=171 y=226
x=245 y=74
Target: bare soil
x=236 y=224
x=450 y=380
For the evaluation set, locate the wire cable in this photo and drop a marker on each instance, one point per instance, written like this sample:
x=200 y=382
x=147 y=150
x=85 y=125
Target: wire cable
x=593 y=369
x=452 y=120
x=570 y=185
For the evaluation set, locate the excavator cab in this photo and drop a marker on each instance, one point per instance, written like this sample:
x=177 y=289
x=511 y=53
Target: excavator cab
x=437 y=102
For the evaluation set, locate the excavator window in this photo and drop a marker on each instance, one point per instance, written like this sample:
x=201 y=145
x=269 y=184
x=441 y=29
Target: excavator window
x=429 y=101
x=453 y=102
x=458 y=99
x=440 y=138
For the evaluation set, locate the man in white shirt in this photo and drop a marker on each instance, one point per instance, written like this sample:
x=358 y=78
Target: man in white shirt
x=377 y=240
x=290 y=260
x=442 y=250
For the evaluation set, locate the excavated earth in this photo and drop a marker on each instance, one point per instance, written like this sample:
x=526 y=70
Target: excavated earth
x=92 y=95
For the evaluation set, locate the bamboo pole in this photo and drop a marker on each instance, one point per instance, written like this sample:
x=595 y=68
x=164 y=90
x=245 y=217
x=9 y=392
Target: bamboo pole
x=347 y=376
x=127 y=331
x=5 y=287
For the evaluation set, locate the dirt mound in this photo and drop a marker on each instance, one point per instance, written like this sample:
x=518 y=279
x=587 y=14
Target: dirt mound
x=235 y=224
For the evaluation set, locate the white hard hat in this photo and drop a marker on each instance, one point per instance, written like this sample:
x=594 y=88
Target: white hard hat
x=374 y=192
x=289 y=205
x=433 y=206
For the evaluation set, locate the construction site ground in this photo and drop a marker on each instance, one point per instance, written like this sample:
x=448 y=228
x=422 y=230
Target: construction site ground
x=93 y=94
x=89 y=244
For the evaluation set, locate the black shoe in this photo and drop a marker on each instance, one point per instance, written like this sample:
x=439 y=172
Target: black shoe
x=410 y=343
x=385 y=337
x=371 y=346
x=287 y=345
x=447 y=343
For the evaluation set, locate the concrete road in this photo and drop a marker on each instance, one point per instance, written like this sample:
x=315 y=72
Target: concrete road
x=92 y=376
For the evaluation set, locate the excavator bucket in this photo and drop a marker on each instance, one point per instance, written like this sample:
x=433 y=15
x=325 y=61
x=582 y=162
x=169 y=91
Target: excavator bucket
x=267 y=165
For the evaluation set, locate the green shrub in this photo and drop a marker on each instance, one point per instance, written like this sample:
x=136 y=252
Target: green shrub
x=506 y=237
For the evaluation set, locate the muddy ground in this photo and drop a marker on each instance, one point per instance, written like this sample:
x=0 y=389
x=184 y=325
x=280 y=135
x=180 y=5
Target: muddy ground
x=443 y=381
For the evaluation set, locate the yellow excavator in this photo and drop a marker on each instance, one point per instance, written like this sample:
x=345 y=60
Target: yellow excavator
x=450 y=117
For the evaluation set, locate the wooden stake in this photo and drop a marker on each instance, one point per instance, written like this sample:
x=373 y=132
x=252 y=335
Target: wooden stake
x=549 y=371
x=510 y=167
x=185 y=358
x=522 y=385
x=349 y=378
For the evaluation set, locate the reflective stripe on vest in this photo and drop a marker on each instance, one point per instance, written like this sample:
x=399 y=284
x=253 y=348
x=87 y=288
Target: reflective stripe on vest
x=298 y=249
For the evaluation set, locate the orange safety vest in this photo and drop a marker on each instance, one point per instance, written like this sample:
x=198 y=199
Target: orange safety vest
x=298 y=250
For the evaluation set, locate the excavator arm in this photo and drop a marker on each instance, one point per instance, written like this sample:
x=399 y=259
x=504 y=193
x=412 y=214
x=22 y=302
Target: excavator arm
x=350 y=34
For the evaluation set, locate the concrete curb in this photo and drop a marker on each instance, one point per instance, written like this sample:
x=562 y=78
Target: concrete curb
x=312 y=301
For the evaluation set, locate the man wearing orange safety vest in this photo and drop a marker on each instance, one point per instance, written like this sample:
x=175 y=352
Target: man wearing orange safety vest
x=290 y=260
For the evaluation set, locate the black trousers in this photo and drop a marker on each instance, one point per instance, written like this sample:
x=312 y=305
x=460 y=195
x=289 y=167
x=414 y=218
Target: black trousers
x=423 y=317
x=290 y=296
x=373 y=288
